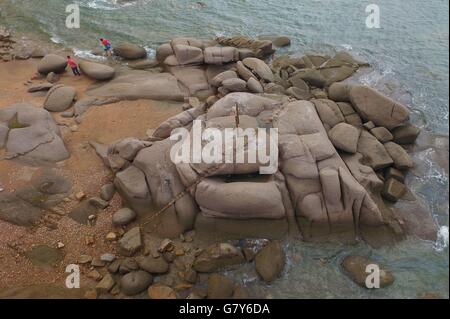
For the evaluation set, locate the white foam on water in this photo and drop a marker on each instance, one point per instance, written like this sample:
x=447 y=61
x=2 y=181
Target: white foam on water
x=442 y=239
x=56 y=39
x=151 y=53
x=88 y=55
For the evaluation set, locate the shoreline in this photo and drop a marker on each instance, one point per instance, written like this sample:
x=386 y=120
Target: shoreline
x=130 y=116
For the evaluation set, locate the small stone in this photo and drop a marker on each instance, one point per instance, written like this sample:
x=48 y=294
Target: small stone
x=111 y=236
x=406 y=134
x=190 y=276
x=369 y=125
x=108 y=257
x=92 y=217
x=127 y=265
x=135 y=282
x=158 y=291
x=80 y=196
x=106 y=284
x=91 y=294
x=89 y=240
x=249 y=254
x=98 y=202
x=166 y=245
x=97 y=262
x=67 y=114
x=52 y=77
x=94 y=275
x=107 y=192
x=131 y=242
x=153 y=265
x=60 y=245
x=179 y=252
x=123 y=217
x=220 y=287
x=115 y=290
x=114 y=266
x=74 y=128
x=392 y=172
x=84 y=259
x=393 y=190
x=218 y=256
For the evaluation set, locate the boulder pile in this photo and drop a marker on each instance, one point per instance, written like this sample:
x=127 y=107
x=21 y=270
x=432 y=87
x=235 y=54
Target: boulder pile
x=6 y=44
x=341 y=153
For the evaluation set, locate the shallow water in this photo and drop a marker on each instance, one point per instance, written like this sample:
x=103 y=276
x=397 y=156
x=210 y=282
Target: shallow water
x=409 y=55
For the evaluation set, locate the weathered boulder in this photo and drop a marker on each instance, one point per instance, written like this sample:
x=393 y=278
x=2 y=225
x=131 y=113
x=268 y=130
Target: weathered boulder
x=260 y=68
x=97 y=71
x=260 y=48
x=153 y=265
x=339 y=92
x=31 y=133
x=373 y=106
x=406 y=134
x=164 y=51
x=59 y=98
x=159 y=291
x=355 y=267
x=131 y=242
x=187 y=54
x=298 y=93
x=219 y=78
x=218 y=256
x=401 y=158
x=382 y=134
x=310 y=76
x=52 y=63
x=270 y=261
x=254 y=86
x=393 y=190
x=244 y=72
x=130 y=51
x=135 y=282
x=344 y=137
x=220 y=55
x=123 y=217
x=375 y=155
x=235 y=85
x=40 y=87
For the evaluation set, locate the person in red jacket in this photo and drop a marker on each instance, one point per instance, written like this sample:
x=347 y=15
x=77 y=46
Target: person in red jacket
x=106 y=45
x=73 y=65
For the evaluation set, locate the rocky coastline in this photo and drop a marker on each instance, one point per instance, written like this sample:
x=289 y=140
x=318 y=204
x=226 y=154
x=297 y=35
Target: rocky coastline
x=344 y=154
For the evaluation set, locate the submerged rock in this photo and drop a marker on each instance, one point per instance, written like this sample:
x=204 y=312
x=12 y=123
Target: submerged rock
x=220 y=287
x=355 y=267
x=270 y=261
x=97 y=71
x=217 y=257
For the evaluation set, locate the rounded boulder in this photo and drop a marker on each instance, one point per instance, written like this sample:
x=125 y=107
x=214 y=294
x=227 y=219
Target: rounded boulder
x=97 y=71
x=59 y=98
x=130 y=51
x=52 y=63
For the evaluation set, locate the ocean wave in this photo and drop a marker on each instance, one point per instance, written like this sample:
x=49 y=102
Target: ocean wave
x=88 y=55
x=442 y=239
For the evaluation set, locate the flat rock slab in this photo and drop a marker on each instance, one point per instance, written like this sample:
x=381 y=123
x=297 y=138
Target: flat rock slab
x=17 y=211
x=45 y=256
x=31 y=134
x=81 y=213
x=135 y=84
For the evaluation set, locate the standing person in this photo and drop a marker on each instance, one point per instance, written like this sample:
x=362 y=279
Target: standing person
x=107 y=46
x=73 y=65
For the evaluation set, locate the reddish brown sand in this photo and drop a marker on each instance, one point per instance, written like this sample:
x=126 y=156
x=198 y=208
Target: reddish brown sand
x=84 y=169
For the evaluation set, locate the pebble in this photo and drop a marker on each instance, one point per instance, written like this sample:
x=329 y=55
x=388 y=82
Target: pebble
x=111 y=236
x=106 y=284
x=166 y=245
x=94 y=275
x=84 y=259
x=108 y=257
x=97 y=262
x=60 y=245
x=80 y=196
